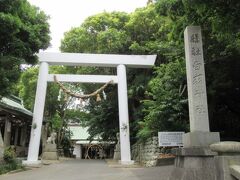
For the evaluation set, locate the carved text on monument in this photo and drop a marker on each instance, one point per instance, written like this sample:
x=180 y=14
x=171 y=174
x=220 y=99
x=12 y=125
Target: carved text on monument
x=196 y=79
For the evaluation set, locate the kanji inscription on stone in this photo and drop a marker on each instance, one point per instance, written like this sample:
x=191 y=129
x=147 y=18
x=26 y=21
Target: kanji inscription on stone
x=197 y=96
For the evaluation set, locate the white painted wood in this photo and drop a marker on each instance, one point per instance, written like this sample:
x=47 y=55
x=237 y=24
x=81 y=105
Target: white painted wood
x=100 y=60
x=83 y=78
x=197 y=96
x=38 y=114
x=123 y=115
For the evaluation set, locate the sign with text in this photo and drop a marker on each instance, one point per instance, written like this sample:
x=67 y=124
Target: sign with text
x=170 y=138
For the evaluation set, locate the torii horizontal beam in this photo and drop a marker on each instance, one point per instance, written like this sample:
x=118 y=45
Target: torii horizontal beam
x=98 y=60
x=83 y=78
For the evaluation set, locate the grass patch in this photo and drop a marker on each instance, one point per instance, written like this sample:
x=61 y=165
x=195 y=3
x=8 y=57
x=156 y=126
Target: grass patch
x=9 y=162
x=11 y=166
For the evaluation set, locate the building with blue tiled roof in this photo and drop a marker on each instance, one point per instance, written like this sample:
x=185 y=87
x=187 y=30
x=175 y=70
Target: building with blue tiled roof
x=15 y=125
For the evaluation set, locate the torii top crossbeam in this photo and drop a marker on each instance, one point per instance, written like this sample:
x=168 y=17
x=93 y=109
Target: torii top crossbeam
x=99 y=60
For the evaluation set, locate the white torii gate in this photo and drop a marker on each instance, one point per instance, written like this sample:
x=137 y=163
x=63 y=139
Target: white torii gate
x=76 y=59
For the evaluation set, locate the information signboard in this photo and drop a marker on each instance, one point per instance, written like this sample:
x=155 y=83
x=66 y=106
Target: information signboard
x=170 y=139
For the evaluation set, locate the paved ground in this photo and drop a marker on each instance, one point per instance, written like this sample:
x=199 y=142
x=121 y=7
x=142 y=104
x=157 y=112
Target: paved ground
x=89 y=170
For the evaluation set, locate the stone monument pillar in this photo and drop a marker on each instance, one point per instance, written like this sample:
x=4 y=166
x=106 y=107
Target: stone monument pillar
x=197 y=97
x=195 y=160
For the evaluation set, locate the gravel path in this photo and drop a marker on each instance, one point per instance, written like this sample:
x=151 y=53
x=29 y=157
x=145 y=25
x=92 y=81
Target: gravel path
x=89 y=170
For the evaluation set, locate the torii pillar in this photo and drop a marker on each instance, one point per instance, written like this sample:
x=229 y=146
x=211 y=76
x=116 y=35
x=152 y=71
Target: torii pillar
x=123 y=115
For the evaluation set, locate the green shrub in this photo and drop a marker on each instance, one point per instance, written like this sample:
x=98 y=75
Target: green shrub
x=10 y=163
x=9 y=155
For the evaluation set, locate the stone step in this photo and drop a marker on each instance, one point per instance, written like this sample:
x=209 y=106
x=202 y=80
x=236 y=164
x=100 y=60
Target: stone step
x=235 y=171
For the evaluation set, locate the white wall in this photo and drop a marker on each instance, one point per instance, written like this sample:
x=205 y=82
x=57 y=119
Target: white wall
x=77 y=151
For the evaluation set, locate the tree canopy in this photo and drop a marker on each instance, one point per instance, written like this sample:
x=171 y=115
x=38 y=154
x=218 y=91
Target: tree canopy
x=158 y=96
x=56 y=112
x=102 y=33
x=220 y=29
x=24 y=30
x=137 y=33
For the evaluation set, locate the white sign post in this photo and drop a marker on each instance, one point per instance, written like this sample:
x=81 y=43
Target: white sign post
x=170 y=139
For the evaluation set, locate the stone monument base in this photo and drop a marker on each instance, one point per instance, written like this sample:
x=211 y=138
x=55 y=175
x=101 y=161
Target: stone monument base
x=117 y=155
x=200 y=139
x=228 y=156
x=195 y=163
x=50 y=156
x=32 y=163
x=126 y=162
x=50 y=152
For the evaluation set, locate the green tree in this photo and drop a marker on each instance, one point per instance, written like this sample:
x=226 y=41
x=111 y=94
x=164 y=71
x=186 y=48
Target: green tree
x=221 y=51
x=221 y=54
x=158 y=29
x=56 y=112
x=27 y=86
x=102 y=33
x=24 y=30
x=137 y=33
x=149 y=35
x=167 y=108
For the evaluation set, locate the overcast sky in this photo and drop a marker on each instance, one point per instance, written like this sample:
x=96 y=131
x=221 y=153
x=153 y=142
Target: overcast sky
x=65 y=14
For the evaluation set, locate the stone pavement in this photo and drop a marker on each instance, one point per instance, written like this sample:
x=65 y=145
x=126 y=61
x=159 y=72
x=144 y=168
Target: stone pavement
x=90 y=170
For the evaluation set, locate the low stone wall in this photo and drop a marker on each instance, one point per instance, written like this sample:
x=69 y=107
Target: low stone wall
x=146 y=153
